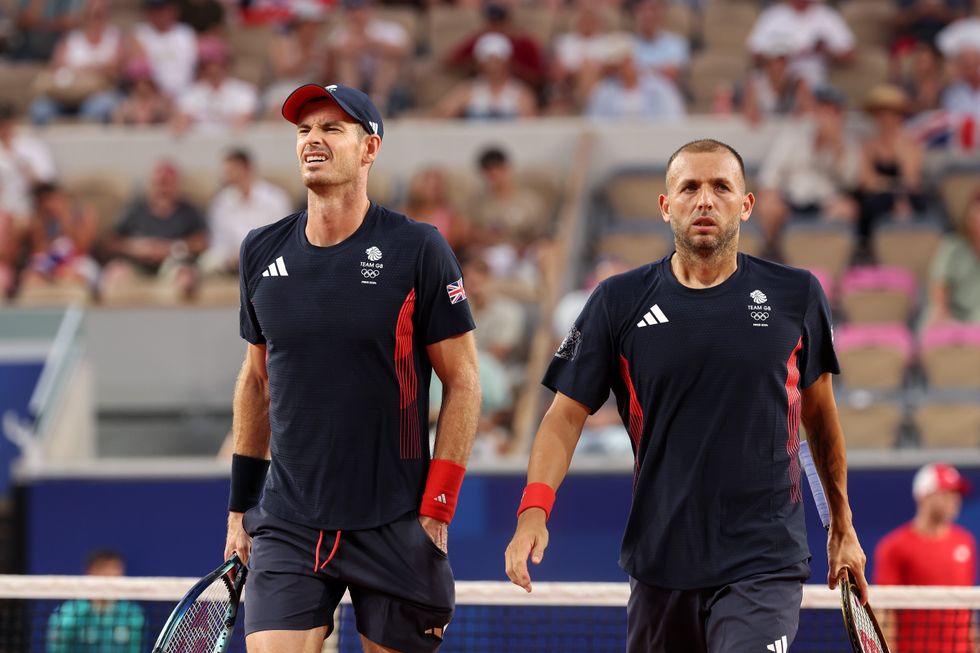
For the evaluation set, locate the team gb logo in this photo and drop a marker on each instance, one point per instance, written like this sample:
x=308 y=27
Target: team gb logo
x=373 y=253
x=757 y=296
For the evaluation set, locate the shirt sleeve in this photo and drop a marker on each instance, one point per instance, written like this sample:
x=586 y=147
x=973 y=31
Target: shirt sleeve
x=818 y=356
x=248 y=322
x=939 y=270
x=583 y=365
x=443 y=309
x=836 y=33
x=887 y=566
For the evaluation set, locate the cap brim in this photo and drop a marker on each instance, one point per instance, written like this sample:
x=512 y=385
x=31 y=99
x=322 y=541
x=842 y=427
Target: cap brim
x=300 y=97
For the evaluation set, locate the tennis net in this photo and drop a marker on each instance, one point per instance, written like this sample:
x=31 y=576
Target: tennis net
x=86 y=614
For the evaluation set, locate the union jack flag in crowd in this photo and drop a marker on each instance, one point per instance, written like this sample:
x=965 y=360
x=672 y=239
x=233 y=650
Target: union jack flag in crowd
x=456 y=292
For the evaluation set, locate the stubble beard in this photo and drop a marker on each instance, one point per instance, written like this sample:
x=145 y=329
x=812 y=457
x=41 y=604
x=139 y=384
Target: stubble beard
x=706 y=248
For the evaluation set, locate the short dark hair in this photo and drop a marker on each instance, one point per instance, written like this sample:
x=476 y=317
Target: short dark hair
x=492 y=157
x=98 y=556
x=8 y=112
x=703 y=146
x=42 y=190
x=240 y=155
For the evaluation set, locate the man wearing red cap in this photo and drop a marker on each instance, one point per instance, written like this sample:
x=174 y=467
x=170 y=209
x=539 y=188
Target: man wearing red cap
x=347 y=309
x=930 y=550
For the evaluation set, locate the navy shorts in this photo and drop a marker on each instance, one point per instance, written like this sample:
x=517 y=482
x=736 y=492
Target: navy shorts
x=757 y=613
x=400 y=582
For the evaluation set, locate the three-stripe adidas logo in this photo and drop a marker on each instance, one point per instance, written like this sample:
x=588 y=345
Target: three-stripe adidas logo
x=441 y=499
x=653 y=316
x=779 y=646
x=277 y=269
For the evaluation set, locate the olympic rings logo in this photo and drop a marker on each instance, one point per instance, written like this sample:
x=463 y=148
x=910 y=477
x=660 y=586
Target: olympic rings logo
x=759 y=316
x=369 y=273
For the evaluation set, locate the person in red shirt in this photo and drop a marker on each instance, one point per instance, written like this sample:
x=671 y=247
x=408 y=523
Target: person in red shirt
x=930 y=550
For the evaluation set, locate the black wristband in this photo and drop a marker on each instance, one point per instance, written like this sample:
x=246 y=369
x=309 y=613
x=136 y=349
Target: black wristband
x=247 y=481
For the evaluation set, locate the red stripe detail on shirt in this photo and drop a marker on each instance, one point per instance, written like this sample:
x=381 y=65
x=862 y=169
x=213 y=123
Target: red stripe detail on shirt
x=635 y=426
x=409 y=435
x=793 y=405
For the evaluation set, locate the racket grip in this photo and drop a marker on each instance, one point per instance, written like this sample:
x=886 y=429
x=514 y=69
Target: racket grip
x=816 y=487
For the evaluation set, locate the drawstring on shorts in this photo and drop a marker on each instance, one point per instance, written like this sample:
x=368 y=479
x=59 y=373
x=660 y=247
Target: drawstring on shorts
x=316 y=562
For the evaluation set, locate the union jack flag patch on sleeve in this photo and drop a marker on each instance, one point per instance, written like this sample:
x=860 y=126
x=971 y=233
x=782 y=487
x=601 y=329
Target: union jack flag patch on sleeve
x=456 y=291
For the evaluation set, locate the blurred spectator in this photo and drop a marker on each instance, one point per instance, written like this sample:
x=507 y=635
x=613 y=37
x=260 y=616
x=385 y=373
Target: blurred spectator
x=169 y=45
x=919 y=21
x=657 y=49
x=810 y=172
x=891 y=162
x=571 y=304
x=216 y=100
x=930 y=550
x=206 y=17
x=495 y=94
x=428 y=201
x=527 y=60
x=370 y=53
x=771 y=88
x=246 y=202
x=922 y=77
x=155 y=229
x=954 y=292
x=40 y=24
x=819 y=32
x=83 y=72
x=504 y=211
x=24 y=161
x=500 y=320
x=143 y=103
x=960 y=43
x=298 y=55
x=97 y=625
x=62 y=236
x=577 y=54
x=629 y=93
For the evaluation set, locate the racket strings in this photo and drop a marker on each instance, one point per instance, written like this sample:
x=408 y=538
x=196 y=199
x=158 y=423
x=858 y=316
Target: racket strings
x=203 y=625
x=870 y=642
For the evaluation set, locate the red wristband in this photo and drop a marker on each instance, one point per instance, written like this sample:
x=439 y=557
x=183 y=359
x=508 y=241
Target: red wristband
x=537 y=495
x=442 y=489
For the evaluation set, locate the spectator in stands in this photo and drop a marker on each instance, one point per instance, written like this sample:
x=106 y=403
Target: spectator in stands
x=10 y=240
x=143 y=103
x=298 y=55
x=159 y=233
x=954 y=292
x=919 y=21
x=216 y=100
x=495 y=94
x=428 y=201
x=370 y=53
x=62 y=236
x=24 y=161
x=246 y=202
x=771 y=88
x=819 y=32
x=83 y=71
x=98 y=625
x=40 y=24
x=810 y=172
x=527 y=60
x=169 y=45
x=205 y=17
x=577 y=59
x=930 y=550
x=628 y=93
x=500 y=320
x=891 y=163
x=655 y=48
x=960 y=43
x=505 y=211
x=922 y=77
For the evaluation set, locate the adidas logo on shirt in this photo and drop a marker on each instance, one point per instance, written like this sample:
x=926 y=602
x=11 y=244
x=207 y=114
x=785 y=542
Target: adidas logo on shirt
x=652 y=317
x=441 y=499
x=779 y=646
x=277 y=269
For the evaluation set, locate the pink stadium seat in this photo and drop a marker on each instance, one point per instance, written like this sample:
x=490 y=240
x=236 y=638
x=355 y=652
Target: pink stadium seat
x=878 y=293
x=874 y=356
x=951 y=355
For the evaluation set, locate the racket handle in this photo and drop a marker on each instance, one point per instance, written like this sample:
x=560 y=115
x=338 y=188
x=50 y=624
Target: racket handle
x=816 y=487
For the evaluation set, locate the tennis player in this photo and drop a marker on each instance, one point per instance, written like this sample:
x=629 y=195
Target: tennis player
x=347 y=308
x=714 y=358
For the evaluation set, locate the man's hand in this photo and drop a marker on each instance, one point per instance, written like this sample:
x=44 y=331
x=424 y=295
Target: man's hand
x=530 y=539
x=844 y=551
x=438 y=532
x=238 y=540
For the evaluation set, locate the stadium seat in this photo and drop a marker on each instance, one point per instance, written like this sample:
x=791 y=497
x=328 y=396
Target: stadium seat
x=826 y=245
x=726 y=26
x=448 y=25
x=909 y=245
x=871 y=22
x=870 y=67
x=218 y=291
x=60 y=294
x=713 y=70
x=199 y=186
x=141 y=292
x=539 y=21
x=945 y=423
x=636 y=248
x=950 y=356
x=878 y=294
x=546 y=182
x=955 y=190
x=874 y=356
x=431 y=82
x=870 y=424
x=15 y=78
x=106 y=191
x=633 y=193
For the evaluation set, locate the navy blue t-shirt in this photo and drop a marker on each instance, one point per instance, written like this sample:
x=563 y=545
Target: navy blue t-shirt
x=708 y=383
x=346 y=329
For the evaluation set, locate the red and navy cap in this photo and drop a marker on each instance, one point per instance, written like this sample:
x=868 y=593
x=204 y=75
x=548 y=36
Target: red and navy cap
x=355 y=104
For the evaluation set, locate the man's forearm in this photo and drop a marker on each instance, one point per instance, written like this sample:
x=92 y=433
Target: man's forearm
x=250 y=422
x=826 y=440
x=458 y=419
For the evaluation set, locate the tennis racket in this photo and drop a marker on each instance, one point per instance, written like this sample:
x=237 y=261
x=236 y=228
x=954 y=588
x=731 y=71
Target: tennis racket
x=859 y=620
x=204 y=619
